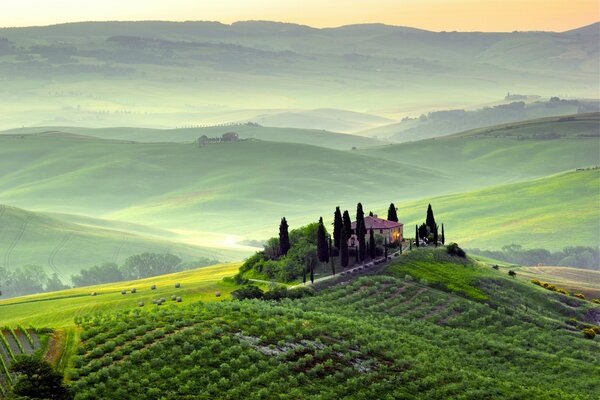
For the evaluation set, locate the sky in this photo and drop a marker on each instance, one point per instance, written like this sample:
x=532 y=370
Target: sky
x=437 y=15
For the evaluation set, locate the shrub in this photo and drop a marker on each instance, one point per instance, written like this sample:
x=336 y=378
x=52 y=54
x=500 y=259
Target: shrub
x=563 y=291
x=597 y=301
x=536 y=282
x=589 y=333
x=248 y=292
x=456 y=251
x=579 y=296
x=512 y=273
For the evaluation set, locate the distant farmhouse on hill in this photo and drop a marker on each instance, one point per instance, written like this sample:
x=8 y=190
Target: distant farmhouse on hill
x=392 y=231
x=228 y=137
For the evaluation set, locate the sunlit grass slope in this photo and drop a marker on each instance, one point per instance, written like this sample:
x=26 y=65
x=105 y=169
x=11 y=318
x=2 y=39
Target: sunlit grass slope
x=552 y=213
x=66 y=247
x=58 y=309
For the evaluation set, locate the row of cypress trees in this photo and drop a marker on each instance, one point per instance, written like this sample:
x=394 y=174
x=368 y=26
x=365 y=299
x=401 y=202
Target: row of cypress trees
x=429 y=227
x=342 y=228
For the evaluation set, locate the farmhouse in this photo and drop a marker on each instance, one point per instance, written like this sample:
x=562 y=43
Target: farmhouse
x=391 y=230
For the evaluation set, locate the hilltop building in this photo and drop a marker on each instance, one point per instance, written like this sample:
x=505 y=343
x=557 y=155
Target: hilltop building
x=391 y=230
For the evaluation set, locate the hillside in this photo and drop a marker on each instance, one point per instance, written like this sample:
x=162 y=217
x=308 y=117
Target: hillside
x=377 y=336
x=65 y=247
x=541 y=213
x=448 y=122
x=320 y=138
x=188 y=189
x=166 y=74
x=504 y=153
x=59 y=309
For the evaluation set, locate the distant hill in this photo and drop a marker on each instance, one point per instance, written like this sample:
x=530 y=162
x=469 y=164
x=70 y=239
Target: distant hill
x=64 y=246
x=314 y=137
x=591 y=29
x=447 y=122
x=167 y=74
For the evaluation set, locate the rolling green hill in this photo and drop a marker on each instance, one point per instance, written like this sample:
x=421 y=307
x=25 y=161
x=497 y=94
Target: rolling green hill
x=66 y=247
x=504 y=153
x=421 y=328
x=320 y=138
x=551 y=213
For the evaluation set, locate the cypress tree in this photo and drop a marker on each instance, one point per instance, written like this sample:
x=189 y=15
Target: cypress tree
x=337 y=227
x=322 y=248
x=362 y=245
x=392 y=215
x=435 y=236
x=284 y=237
x=360 y=216
x=371 y=214
x=430 y=221
x=347 y=223
x=312 y=270
x=416 y=235
x=331 y=260
x=343 y=248
x=443 y=235
x=304 y=275
x=372 y=246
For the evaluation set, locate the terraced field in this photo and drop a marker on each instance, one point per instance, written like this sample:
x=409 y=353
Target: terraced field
x=376 y=337
x=15 y=341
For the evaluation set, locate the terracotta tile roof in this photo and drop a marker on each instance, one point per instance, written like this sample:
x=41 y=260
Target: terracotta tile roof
x=378 y=223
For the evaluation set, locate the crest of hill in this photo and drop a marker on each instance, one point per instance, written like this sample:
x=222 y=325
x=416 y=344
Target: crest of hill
x=591 y=29
x=314 y=137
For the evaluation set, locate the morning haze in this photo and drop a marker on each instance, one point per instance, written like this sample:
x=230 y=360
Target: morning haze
x=339 y=200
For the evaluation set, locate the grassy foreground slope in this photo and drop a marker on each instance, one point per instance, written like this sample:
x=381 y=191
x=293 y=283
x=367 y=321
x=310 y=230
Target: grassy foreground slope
x=66 y=247
x=313 y=137
x=552 y=213
x=58 y=309
x=385 y=336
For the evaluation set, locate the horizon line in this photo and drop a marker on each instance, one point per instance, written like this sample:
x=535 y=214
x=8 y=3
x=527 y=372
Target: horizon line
x=286 y=23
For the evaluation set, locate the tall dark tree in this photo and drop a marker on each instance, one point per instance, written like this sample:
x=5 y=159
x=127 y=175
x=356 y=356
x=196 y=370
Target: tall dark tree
x=424 y=231
x=37 y=379
x=416 y=235
x=322 y=248
x=443 y=238
x=343 y=247
x=331 y=260
x=392 y=215
x=435 y=236
x=284 y=237
x=347 y=223
x=372 y=245
x=385 y=247
x=371 y=214
x=362 y=245
x=360 y=216
x=312 y=269
x=430 y=221
x=337 y=227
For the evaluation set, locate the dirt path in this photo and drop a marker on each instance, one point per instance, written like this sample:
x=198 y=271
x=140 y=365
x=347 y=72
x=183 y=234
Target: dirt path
x=55 y=347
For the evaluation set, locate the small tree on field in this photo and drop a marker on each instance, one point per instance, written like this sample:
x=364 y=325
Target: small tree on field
x=443 y=238
x=284 y=237
x=416 y=236
x=392 y=215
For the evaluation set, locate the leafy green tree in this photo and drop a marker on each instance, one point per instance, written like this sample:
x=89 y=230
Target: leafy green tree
x=347 y=223
x=37 y=379
x=416 y=236
x=284 y=237
x=372 y=246
x=337 y=226
x=322 y=248
x=105 y=273
x=149 y=264
x=54 y=284
x=430 y=221
x=392 y=215
x=343 y=248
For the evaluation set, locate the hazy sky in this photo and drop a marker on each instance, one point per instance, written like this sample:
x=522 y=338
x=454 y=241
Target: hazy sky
x=483 y=15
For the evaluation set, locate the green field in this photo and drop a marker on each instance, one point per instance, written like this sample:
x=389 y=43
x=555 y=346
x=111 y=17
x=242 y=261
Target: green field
x=59 y=309
x=380 y=336
x=542 y=213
